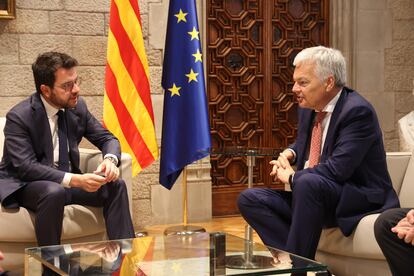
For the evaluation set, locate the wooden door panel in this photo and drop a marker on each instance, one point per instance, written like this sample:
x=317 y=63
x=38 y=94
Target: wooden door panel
x=250 y=47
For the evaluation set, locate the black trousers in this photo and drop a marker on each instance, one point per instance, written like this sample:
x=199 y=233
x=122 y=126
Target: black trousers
x=48 y=199
x=399 y=255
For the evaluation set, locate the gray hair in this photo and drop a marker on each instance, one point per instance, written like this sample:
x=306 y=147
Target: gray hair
x=329 y=62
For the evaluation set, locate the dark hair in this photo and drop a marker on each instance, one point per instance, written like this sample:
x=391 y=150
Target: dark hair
x=47 y=64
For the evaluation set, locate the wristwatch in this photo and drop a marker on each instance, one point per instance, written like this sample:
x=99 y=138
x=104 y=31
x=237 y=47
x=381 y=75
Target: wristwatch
x=113 y=160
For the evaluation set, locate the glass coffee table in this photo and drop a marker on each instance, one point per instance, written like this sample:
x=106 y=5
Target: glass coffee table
x=198 y=254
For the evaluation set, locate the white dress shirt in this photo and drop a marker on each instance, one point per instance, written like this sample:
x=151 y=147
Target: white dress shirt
x=52 y=117
x=329 y=108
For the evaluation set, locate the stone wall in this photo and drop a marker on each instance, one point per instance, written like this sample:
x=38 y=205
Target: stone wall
x=76 y=27
x=376 y=37
x=399 y=65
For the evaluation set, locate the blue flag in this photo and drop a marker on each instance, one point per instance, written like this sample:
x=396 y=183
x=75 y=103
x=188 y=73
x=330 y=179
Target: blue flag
x=185 y=128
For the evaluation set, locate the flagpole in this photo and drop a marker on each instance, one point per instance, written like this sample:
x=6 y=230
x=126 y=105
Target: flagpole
x=184 y=229
x=185 y=196
x=185 y=96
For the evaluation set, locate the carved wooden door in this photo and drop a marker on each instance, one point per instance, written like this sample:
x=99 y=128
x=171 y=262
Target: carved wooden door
x=250 y=49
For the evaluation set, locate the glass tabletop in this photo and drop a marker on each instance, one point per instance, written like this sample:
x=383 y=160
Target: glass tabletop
x=244 y=151
x=198 y=254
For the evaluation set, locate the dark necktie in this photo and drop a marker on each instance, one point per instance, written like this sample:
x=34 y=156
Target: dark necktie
x=316 y=140
x=63 y=163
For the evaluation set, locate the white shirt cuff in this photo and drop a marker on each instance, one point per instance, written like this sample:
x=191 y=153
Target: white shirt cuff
x=113 y=156
x=67 y=248
x=294 y=155
x=66 y=180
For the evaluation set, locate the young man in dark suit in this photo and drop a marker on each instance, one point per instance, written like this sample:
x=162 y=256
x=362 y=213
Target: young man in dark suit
x=40 y=165
x=341 y=171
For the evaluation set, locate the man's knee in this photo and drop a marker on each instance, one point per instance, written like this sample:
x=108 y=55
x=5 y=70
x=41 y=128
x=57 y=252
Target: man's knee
x=53 y=191
x=245 y=198
x=48 y=199
x=116 y=189
x=257 y=198
x=379 y=228
x=307 y=183
x=383 y=223
x=118 y=185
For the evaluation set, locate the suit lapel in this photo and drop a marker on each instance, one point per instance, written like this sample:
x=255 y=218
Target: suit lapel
x=41 y=128
x=304 y=134
x=327 y=148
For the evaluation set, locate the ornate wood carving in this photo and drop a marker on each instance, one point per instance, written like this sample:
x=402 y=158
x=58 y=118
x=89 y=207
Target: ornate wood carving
x=251 y=46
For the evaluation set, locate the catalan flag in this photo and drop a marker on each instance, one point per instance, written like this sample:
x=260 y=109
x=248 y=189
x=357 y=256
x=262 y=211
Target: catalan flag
x=141 y=254
x=185 y=129
x=127 y=102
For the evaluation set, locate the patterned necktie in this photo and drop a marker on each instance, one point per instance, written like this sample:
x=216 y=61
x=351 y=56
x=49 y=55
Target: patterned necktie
x=316 y=140
x=63 y=163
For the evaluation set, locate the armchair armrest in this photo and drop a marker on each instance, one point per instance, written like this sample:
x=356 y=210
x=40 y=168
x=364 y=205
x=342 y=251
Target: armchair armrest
x=407 y=187
x=91 y=158
x=397 y=163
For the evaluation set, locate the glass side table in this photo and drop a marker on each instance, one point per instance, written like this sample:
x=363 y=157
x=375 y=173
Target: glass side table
x=247 y=260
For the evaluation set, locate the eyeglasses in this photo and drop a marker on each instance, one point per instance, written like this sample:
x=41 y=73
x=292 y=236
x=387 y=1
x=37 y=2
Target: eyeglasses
x=68 y=86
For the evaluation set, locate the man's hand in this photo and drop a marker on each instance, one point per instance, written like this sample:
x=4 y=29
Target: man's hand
x=410 y=216
x=281 y=259
x=108 y=169
x=276 y=163
x=89 y=182
x=405 y=228
x=108 y=251
x=281 y=167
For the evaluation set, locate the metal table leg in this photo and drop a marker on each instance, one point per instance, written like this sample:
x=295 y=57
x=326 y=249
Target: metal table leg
x=248 y=260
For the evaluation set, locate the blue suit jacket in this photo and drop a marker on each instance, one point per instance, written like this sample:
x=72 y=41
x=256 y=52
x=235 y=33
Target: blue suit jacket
x=28 y=148
x=353 y=156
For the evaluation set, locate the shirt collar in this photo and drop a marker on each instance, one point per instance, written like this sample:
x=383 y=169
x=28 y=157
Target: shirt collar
x=331 y=105
x=50 y=110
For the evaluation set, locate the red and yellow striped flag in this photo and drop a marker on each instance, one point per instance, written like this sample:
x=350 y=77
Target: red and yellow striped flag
x=127 y=102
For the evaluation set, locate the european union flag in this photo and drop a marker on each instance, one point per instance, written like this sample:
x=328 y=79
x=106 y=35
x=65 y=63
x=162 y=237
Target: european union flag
x=185 y=128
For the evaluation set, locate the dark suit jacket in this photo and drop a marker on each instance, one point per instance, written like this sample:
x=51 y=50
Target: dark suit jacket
x=353 y=156
x=28 y=148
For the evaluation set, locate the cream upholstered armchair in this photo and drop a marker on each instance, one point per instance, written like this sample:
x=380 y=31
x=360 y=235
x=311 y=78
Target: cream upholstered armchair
x=359 y=254
x=80 y=223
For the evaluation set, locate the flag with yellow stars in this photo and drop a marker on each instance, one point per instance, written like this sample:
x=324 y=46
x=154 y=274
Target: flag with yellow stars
x=185 y=129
